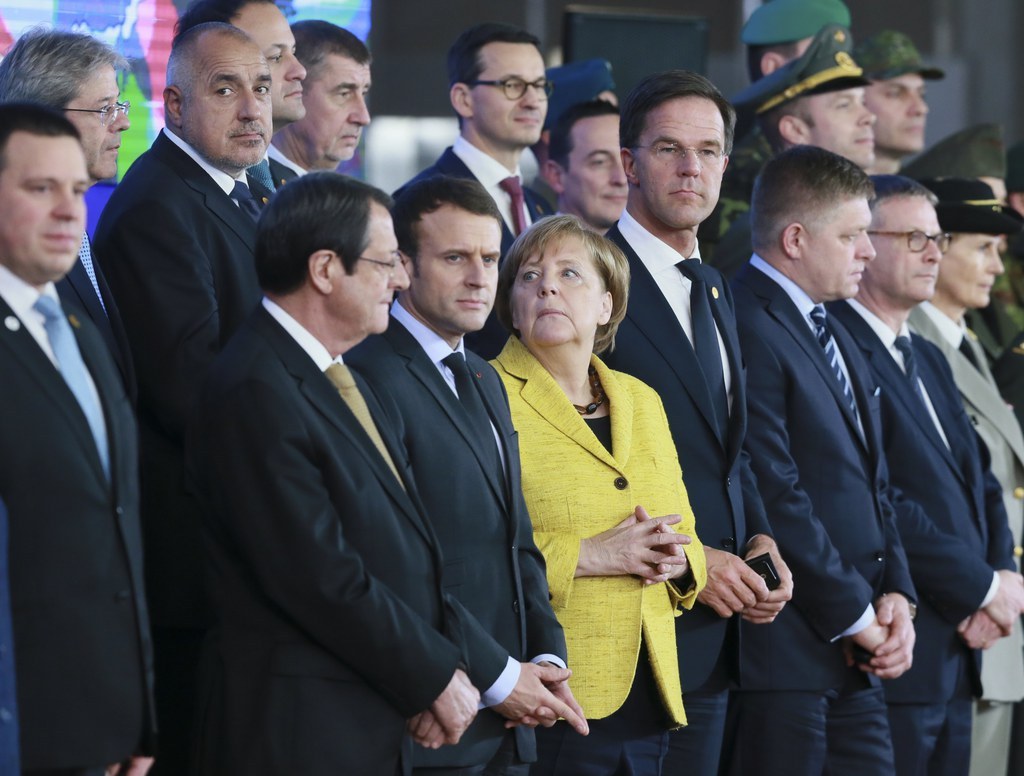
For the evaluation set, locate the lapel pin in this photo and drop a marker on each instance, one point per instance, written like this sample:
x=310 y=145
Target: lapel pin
x=714 y=291
x=265 y=200
x=12 y=323
x=74 y=321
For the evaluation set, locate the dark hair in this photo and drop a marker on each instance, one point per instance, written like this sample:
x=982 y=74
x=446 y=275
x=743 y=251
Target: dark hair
x=659 y=88
x=899 y=187
x=787 y=50
x=315 y=212
x=464 y=54
x=428 y=195
x=316 y=39
x=802 y=184
x=51 y=66
x=560 y=142
x=203 y=11
x=33 y=119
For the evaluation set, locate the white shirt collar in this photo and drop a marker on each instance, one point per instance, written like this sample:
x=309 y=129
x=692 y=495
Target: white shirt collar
x=486 y=169
x=880 y=327
x=275 y=153
x=803 y=302
x=951 y=331
x=656 y=254
x=221 y=178
x=313 y=347
x=433 y=344
x=21 y=296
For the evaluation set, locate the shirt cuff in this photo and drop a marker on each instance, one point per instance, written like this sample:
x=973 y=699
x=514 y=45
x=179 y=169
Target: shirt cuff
x=862 y=622
x=992 y=590
x=503 y=685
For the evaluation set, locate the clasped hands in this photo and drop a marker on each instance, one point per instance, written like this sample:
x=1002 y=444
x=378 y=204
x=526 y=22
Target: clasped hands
x=641 y=546
x=889 y=639
x=735 y=588
x=995 y=620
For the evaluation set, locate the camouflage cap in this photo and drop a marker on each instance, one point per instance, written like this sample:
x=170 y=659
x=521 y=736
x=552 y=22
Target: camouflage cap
x=1015 y=168
x=826 y=66
x=784 y=21
x=974 y=152
x=889 y=54
x=574 y=83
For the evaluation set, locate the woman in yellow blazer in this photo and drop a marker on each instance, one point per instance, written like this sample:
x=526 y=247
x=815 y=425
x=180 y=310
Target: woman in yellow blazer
x=605 y=492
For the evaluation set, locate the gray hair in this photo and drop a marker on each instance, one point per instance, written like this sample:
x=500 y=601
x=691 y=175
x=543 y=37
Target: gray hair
x=182 y=64
x=50 y=66
x=901 y=187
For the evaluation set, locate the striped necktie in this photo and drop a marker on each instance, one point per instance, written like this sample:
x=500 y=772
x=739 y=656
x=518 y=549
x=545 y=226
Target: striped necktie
x=828 y=344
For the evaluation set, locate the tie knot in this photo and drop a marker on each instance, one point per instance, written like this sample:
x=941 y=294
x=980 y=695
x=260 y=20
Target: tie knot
x=48 y=307
x=690 y=268
x=511 y=185
x=457 y=363
x=904 y=346
x=341 y=376
x=260 y=172
x=818 y=316
x=241 y=193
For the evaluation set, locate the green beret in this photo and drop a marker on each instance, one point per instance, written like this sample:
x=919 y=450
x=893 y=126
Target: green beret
x=889 y=54
x=826 y=66
x=974 y=152
x=785 y=21
x=1015 y=168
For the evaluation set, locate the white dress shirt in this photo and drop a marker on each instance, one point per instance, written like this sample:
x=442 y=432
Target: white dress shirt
x=221 y=178
x=273 y=152
x=491 y=173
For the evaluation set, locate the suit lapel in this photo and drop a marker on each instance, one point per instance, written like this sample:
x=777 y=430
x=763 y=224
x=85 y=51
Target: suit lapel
x=654 y=318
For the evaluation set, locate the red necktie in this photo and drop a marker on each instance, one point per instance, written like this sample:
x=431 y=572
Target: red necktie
x=514 y=189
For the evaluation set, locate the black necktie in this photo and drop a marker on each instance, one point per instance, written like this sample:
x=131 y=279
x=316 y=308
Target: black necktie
x=469 y=397
x=828 y=344
x=906 y=349
x=968 y=351
x=705 y=341
x=246 y=201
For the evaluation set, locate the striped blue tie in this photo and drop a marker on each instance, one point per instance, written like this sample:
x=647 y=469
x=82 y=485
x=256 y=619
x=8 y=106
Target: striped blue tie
x=828 y=344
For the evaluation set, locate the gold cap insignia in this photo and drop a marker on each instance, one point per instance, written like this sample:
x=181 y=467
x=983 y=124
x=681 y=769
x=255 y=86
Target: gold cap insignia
x=839 y=36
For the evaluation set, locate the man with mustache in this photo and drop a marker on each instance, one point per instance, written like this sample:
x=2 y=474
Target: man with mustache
x=499 y=90
x=177 y=240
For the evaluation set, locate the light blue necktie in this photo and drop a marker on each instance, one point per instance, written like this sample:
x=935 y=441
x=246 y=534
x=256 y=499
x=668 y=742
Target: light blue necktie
x=260 y=172
x=85 y=256
x=74 y=372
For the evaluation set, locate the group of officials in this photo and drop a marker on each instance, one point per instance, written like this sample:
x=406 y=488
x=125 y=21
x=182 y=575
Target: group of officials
x=269 y=381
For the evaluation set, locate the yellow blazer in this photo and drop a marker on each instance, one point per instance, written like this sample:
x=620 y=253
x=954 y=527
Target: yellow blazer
x=574 y=489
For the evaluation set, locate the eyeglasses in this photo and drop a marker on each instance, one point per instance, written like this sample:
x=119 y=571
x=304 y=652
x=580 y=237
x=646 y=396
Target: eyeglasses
x=108 y=114
x=671 y=154
x=917 y=240
x=387 y=266
x=515 y=88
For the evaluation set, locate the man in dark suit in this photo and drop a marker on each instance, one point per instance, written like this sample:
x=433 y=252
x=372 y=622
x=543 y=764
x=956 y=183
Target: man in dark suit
x=68 y=477
x=8 y=698
x=812 y=701
x=264 y=22
x=457 y=419
x=77 y=74
x=334 y=94
x=949 y=506
x=683 y=114
x=499 y=91
x=176 y=240
x=332 y=625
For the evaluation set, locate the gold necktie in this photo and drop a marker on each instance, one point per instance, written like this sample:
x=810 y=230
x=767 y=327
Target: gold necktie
x=341 y=376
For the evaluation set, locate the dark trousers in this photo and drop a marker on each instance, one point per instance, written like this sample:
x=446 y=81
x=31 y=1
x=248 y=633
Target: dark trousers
x=697 y=748
x=176 y=654
x=933 y=739
x=67 y=772
x=505 y=762
x=839 y=732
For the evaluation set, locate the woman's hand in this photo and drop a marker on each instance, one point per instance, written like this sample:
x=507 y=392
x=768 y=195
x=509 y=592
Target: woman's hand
x=641 y=546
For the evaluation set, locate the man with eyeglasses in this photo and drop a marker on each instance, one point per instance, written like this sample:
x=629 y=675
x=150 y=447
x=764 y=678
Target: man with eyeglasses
x=78 y=74
x=499 y=91
x=679 y=337
x=969 y=209
x=949 y=505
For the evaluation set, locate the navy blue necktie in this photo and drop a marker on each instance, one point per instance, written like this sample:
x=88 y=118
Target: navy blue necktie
x=906 y=349
x=469 y=397
x=246 y=201
x=828 y=344
x=705 y=341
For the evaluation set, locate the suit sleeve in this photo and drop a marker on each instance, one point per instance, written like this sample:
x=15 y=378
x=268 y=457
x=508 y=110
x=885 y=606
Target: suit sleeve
x=276 y=513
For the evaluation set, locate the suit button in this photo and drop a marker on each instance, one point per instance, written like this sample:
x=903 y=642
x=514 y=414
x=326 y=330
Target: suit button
x=1018 y=493
x=1017 y=552
x=728 y=542
x=5 y=716
x=515 y=606
x=119 y=511
x=728 y=482
x=879 y=556
x=122 y=595
x=621 y=483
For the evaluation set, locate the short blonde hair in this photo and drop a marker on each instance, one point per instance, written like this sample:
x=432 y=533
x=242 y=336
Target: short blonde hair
x=608 y=260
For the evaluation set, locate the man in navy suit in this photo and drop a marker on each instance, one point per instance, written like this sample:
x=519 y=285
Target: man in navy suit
x=77 y=74
x=676 y=133
x=8 y=699
x=176 y=240
x=812 y=700
x=949 y=506
x=498 y=89
x=449 y=233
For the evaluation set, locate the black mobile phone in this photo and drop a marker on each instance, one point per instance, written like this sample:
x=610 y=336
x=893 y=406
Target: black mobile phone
x=765 y=568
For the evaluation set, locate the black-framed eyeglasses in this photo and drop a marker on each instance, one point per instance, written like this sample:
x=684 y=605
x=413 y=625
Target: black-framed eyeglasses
x=108 y=114
x=514 y=88
x=671 y=154
x=917 y=240
x=387 y=266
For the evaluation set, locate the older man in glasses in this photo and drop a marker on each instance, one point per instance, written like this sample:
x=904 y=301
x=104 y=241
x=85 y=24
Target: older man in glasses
x=500 y=93
x=78 y=74
x=949 y=506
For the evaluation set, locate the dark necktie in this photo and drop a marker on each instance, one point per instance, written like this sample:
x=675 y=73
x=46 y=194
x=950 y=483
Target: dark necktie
x=968 y=351
x=469 y=397
x=705 y=341
x=260 y=172
x=514 y=189
x=828 y=344
x=246 y=201
x=85 y=256
x=906 y=349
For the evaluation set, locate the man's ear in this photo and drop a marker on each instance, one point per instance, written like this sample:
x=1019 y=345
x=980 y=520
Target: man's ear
x=794 y=130
x=172 y=105
x=629 y=165
x=322 y=268
x=793 y=240
x=553 y=173
x=461 y=97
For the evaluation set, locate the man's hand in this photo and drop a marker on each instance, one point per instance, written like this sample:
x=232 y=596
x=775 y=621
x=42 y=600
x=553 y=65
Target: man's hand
x=732 y=585
x=766 y=611
x=979 y=631
x=425 y=730
x=636 y=548
x=868 y=640
x=453 y=711
x=1008 y=603
x=136 y=766
x=895 y=655
x=534 y=699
